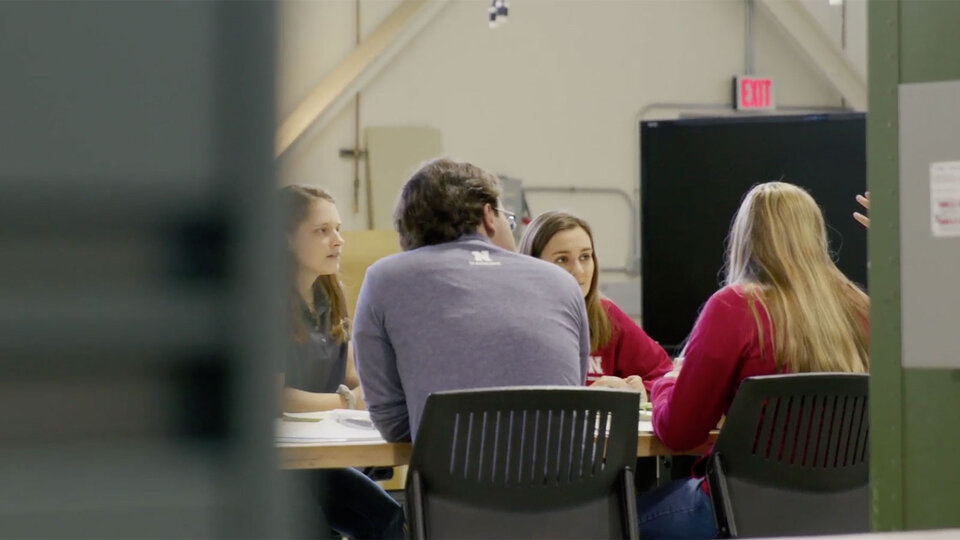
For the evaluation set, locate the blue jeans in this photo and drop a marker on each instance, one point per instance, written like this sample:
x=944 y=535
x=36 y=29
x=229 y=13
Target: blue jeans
x=352 y=504
x=679 y=509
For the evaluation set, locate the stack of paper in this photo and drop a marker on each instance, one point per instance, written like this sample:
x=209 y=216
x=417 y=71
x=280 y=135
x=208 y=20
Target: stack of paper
x=339 y=425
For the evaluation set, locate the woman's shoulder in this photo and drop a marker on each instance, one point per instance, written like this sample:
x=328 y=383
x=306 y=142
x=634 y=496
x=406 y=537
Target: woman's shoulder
x=610 y=307
x=622 y=326
x=734 y=298
x=735 y=292
x=616 y=315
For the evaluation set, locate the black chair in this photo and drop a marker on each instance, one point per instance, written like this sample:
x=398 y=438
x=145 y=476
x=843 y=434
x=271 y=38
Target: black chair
x=524 y=463
x=791 y=457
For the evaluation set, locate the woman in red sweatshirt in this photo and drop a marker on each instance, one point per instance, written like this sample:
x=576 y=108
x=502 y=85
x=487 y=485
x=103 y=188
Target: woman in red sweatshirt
x=785 y=307
x=623 y=355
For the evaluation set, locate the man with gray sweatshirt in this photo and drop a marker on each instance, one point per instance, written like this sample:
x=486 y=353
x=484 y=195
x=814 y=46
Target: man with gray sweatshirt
x=458 y=309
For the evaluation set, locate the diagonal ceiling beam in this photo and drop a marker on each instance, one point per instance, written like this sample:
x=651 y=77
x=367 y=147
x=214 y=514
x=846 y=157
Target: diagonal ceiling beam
x=813 y=40
x=357 y=69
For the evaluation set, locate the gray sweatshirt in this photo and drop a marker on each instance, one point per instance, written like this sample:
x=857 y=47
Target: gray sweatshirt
x=460 y=315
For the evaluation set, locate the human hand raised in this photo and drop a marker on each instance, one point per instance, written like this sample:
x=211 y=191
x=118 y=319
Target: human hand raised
x=864 y=201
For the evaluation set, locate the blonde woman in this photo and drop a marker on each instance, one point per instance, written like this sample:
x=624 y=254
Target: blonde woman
x=622 y=354
x=785 y=307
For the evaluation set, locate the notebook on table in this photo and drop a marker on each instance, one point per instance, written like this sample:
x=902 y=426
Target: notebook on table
x=338 y=425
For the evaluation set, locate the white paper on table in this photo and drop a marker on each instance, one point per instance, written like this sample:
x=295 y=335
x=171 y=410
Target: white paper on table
x=645 y=426
x=945 y=198
x=336 y=425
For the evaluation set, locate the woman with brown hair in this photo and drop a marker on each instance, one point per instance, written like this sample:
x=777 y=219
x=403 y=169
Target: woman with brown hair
x=622 y=354
x=318 y=364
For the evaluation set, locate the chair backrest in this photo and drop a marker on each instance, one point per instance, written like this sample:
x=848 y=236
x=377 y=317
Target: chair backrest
x=530 y=462
x=792 y=457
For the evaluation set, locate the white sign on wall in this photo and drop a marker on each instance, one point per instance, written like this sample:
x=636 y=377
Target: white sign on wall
x=929 y=296
x=945 y=198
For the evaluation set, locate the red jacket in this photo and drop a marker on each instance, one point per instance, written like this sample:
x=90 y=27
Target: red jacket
x=723 y=350
x=630 y=351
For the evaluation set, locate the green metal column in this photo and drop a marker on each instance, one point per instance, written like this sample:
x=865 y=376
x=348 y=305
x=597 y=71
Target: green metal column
x=915 y=414
x=886 y=433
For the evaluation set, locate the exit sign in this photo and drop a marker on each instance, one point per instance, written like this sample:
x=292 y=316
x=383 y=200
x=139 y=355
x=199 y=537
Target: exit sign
x=753 y=93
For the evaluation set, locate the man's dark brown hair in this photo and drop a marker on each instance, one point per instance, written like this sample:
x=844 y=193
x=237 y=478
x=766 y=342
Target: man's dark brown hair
x=443 y=201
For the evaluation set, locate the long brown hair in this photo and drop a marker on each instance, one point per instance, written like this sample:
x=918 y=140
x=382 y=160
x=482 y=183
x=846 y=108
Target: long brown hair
x=538 y=235
x=778 y=253
x=297 y=201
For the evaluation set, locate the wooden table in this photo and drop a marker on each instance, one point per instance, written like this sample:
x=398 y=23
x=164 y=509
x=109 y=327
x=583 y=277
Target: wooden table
x=648 y=445
x=381 y=454
x=337 y=455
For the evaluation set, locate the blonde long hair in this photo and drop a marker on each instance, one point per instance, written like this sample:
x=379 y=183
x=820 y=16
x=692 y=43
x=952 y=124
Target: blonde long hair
x=538 y=235
x=778 y=254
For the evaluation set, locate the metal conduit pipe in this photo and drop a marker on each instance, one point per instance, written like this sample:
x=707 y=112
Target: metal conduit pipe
x=632 y=267
x=748 y=47
x=633 y=263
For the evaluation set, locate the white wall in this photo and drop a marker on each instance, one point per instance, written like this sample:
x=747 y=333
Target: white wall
x=551 y=98
x=833 y=19
x=857 y=34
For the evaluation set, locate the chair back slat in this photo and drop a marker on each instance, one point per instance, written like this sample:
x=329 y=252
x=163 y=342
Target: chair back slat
x=518 y=450
x=541 y=432
x=577 y=443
